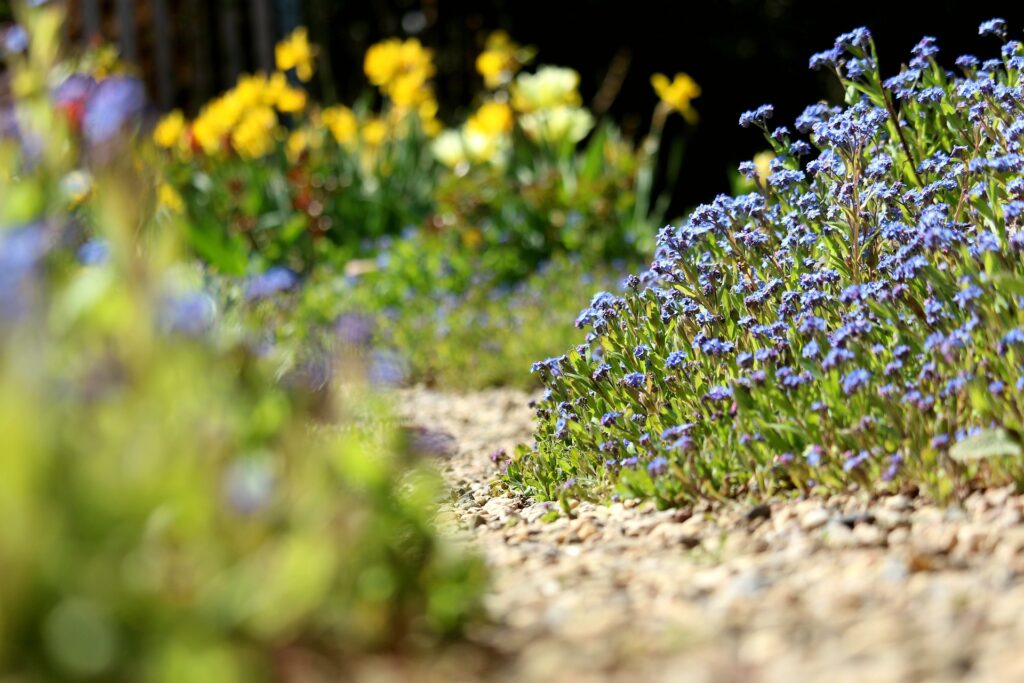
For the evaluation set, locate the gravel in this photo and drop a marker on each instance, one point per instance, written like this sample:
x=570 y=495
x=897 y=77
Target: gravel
x=842 y=588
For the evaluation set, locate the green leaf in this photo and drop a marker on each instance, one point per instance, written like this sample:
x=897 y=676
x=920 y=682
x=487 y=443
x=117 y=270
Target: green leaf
x=990 y=443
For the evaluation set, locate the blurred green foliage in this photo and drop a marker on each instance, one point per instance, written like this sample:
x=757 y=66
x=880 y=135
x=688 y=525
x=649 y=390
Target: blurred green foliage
x=175 y=508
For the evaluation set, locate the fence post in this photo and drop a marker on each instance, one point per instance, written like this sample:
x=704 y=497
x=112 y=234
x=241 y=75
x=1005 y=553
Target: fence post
x=126 y=23
x=91 y=19
x=263 y=33
x=163 y=39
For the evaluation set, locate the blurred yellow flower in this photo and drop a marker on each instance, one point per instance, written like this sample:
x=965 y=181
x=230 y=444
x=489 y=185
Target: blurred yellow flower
x=295 y=52
x=342 y=123
x=285 y=98
x=427 y=112
x=551 y=86
x=253 y=137
x=374 y=132
x=169 y=198
x=763 y=163
x=500 y=60
x=677 y=93
x=401 y=70
x=449 y=149
x=296 y=145
x=492 y=118
x=556 y=124
x=169 y=130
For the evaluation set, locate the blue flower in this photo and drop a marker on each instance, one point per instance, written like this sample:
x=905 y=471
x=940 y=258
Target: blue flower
x=658 y=466
x=855 y=379
x=757 y=117
x=112 y=105
x=274 y=280
x=993 y=27
x=634 y=380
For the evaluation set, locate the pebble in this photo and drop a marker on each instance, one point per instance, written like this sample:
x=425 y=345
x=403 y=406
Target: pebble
x=845 y=588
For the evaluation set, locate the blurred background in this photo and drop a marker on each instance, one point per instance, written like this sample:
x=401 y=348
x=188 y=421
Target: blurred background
x=742 y=52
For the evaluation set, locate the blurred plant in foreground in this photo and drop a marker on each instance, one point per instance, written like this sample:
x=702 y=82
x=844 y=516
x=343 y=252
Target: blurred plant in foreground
x=172 y=510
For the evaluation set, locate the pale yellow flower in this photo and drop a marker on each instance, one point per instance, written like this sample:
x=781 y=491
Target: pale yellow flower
x=763 y=163
x=449 y=149
x=551 y=86
x=556 y=124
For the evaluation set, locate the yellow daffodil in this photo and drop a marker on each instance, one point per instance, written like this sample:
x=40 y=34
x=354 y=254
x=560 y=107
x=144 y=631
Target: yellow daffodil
x=295 y=52
x=492 y=118
x=556 y=124
x=551 y=86
x=169 y=130
x=678 y=93
x=342 y=123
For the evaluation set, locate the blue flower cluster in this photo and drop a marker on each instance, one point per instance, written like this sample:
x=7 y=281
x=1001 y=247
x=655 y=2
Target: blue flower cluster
x=849 y=322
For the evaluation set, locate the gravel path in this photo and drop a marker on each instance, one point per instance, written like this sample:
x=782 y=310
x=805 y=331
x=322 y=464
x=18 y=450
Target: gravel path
x=838 y=589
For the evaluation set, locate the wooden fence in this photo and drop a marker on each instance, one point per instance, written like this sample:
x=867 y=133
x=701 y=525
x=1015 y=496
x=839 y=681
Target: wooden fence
x=187 y=50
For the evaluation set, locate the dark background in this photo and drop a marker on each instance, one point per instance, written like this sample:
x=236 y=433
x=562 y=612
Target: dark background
x=742 y=52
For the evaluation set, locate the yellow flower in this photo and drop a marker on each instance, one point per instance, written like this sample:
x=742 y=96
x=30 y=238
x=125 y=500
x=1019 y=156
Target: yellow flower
x=492 y=118
x=169 y=130
x=427 y=112
x=296 y=145
x=557 y=124
x=763 y=163
x=342 y=123
x=285 y=98
x=169 y=198
x=448 y=148
x=551 y=86
x=253 y=137
x=295 y=52
x=374 y=132
x=677 y=93
x=500 y=60
x=400 y=69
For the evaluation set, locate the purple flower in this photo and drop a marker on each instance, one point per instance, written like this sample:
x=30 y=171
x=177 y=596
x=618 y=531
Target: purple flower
x=112 y=105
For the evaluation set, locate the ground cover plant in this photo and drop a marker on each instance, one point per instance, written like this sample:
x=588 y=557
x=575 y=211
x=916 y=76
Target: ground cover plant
x=855 y=320
x=174 y=507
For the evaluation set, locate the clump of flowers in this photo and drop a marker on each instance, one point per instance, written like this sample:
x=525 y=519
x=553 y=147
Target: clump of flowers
x=856 y=319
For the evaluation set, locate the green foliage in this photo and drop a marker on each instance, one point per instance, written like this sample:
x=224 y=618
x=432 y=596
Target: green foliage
x=173 y=507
